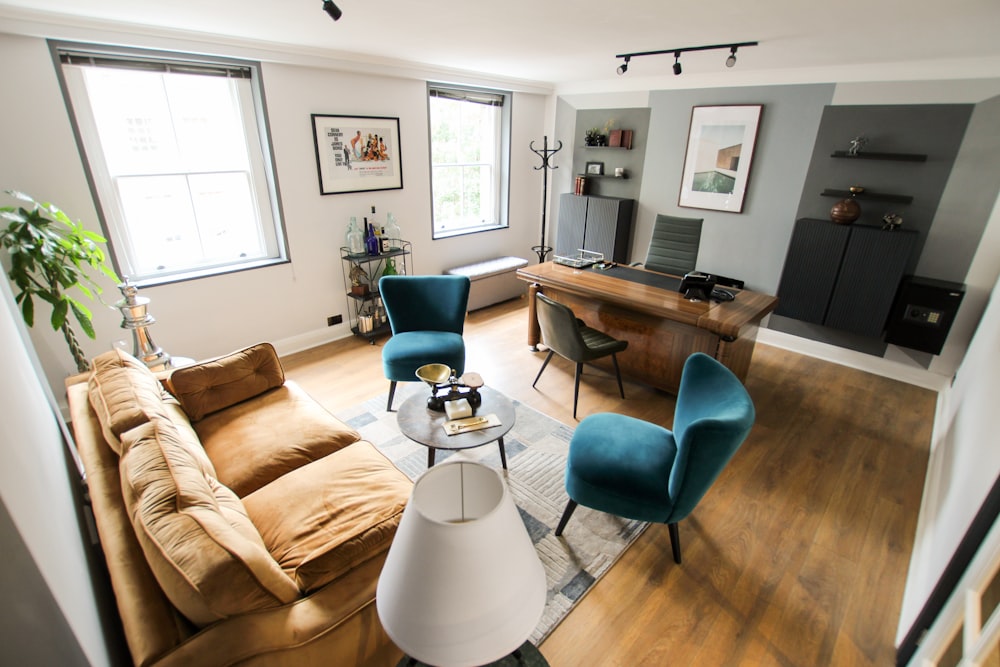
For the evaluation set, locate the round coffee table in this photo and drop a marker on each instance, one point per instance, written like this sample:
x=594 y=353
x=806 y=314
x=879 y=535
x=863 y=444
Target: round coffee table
x=425 y=426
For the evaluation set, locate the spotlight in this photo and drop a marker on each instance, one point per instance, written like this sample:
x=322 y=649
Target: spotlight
x=731 y=60
x=677 y=63
x=332 y=9
x=624 y=66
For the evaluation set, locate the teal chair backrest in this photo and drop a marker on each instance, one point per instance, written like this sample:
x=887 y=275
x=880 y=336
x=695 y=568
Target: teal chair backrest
x=713 y=417
x=674 y=246
x=425 y=303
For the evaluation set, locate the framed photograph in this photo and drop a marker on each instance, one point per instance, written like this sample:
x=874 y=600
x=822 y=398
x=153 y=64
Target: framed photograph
x=595 y=168
x=719 y=153
x=357 y=153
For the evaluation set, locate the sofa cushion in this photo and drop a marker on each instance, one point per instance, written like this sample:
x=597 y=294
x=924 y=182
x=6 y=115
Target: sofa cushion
x=323 y=519
x=257 y=441
x=202 y=548
x=124 y=394
x=216 y=384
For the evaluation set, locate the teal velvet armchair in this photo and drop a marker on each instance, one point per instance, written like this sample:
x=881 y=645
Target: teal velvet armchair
x=638 y=470
x=427 y=318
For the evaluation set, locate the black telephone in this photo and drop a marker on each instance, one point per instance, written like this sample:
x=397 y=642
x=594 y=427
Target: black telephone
x=698 y=286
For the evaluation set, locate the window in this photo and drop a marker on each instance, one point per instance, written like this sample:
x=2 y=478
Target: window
x=179 y=160
x=470 y=148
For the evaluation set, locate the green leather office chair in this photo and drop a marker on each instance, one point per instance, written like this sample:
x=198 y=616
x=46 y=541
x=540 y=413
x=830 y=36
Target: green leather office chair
x=569 y=337
x=674 y=246
x=633 y=468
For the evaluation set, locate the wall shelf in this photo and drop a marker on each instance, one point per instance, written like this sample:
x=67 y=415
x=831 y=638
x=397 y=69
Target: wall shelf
x=897 y=157
x=867 y=194
x=622 y=177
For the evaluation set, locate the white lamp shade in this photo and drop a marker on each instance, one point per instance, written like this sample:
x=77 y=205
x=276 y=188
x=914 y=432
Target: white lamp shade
x=462 y=584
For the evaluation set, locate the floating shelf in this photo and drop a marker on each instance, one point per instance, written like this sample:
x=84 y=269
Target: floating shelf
x=621 y=178
x=867 y=194
x=898 y=157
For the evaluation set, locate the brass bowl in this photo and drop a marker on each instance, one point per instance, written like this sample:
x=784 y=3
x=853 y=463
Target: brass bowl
x=434 y=374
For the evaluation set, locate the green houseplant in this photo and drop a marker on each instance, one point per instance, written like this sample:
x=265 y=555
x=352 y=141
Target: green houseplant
x=50 y=255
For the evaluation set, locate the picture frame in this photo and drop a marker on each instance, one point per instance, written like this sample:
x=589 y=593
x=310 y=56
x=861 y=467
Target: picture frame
x=595 y=169
x=720 y=148
x=357 y=153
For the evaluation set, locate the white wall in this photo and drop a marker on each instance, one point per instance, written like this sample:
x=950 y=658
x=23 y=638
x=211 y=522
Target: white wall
x=36 y=492
x=285 y=304
x=965 y=458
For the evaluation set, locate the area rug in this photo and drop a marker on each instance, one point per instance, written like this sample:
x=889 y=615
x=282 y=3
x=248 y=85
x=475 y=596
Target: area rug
x=536 y=459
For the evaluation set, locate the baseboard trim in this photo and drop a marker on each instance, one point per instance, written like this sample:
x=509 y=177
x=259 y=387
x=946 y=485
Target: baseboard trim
x=915 y=375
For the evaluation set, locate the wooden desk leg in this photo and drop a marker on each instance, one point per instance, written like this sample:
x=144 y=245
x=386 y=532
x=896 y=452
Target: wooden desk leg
x=534 y=331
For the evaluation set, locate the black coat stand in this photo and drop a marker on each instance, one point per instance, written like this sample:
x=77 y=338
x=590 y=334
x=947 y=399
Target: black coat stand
x=545 y=153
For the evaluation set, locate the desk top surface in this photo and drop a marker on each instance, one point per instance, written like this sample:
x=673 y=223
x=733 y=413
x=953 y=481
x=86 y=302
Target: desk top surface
x=725 y=319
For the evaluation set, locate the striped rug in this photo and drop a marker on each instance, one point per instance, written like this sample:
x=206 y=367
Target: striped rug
x=536 y=458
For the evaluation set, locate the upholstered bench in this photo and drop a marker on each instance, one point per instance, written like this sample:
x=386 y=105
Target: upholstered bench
x=493 y=280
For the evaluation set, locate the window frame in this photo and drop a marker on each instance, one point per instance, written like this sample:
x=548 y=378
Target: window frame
x=265 y=190
x=503 y=148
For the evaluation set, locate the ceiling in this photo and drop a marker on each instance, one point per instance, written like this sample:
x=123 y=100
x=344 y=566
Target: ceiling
x=572 y=44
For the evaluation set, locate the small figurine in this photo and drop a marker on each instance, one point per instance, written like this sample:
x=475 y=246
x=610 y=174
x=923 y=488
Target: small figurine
x=857 y=143
x=891 y=221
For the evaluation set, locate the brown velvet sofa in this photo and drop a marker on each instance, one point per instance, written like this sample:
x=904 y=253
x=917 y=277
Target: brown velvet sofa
x=242 y=524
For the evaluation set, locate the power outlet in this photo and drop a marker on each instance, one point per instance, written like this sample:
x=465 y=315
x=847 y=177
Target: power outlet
x=334 y=319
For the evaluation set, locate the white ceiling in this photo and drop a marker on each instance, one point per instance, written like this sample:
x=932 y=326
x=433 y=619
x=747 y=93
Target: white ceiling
x=566 y=44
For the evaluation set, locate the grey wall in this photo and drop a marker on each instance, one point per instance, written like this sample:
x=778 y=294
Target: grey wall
x=967 y=200
x=750 y=245
x=935 y=130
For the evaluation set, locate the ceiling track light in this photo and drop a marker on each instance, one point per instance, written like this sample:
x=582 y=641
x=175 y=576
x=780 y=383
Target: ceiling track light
x=332 y=9
x=730 y=61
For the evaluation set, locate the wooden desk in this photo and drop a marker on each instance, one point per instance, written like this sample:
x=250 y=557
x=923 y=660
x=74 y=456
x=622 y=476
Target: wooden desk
x=661 y=326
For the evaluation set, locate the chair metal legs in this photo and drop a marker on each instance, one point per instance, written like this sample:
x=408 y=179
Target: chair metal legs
x=392 y=392
x=576 y=378
x=675 y=542
x=570 y=506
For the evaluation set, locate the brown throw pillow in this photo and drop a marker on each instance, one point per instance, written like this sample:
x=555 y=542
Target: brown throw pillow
x=210 y=386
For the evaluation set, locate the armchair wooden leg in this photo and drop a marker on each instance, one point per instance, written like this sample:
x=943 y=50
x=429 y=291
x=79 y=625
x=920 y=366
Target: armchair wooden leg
x=567 y=513
x=392 y=392
x=675 y=541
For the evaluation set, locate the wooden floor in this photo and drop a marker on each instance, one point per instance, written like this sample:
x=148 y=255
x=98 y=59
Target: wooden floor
x=796 y=556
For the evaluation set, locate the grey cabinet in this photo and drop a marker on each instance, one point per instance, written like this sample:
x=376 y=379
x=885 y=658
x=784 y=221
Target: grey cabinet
x=843 y=276
x=598 y=224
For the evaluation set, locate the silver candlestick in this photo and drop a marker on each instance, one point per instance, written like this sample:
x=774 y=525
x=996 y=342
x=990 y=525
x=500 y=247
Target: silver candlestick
x=136 y=318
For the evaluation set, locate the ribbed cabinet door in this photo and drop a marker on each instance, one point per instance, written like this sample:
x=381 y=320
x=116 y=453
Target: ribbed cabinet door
x=572 y=221
x=602 y=226
x=811 y=268
x=872 y=269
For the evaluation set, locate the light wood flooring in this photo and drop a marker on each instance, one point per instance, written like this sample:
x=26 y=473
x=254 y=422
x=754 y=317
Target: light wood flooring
x=798 y=554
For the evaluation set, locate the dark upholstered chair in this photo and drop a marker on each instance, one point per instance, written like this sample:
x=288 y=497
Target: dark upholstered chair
x=427 y=317
x=569 y=337
x=674 y=246
x=638 y=470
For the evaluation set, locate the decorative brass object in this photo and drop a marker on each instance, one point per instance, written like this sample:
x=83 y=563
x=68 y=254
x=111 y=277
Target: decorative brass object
x=446 y=387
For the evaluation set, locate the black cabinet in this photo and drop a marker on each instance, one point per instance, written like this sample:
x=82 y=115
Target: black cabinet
x=843 y=276
x=598 y=224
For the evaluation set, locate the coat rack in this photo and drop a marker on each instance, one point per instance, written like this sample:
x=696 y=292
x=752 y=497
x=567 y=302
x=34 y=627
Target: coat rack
x=546 y=153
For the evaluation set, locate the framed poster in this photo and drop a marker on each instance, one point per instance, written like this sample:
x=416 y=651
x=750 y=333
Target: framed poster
x=357 y=153
x=720 y=149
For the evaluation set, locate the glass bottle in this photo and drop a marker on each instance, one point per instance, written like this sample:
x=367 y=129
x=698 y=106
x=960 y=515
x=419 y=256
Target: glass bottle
x=371 y=240
x=355 y=238
x=393 y=231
